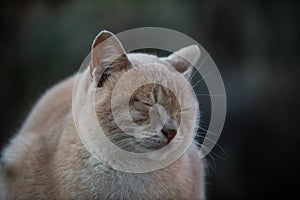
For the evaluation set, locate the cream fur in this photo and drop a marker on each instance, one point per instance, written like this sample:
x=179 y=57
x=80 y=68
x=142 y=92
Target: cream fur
x=47 y=160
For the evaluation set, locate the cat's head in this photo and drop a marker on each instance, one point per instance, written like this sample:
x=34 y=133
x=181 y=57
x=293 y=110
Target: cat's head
x=143 y=102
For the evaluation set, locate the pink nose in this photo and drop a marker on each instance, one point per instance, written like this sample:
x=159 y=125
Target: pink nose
x=169 y=133
x=169 y=129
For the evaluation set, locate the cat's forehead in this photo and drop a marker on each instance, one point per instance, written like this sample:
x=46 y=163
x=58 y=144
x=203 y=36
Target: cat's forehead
x=139 y=59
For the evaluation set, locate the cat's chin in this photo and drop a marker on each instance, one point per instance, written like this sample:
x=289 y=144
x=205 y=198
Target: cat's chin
x=145 y=145
x=142 y=148
x=150 y=149
x=162 y=153
x=139 y=148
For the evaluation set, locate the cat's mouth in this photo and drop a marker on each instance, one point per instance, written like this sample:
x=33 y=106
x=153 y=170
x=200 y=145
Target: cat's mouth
x=150 y=142
x=155 y=142
x=160 y=140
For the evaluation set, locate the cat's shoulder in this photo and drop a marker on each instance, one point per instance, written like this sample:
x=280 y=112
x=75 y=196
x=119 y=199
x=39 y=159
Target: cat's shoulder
x=54 y=104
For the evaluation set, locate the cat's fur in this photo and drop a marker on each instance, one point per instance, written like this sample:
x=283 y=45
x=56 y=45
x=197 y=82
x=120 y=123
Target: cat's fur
x=47 y=160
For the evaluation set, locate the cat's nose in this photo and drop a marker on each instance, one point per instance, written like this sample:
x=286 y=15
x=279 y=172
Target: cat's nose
x=169 y=133
x=169 y=129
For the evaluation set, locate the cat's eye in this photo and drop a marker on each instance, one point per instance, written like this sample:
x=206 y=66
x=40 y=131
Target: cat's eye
x=147 y=104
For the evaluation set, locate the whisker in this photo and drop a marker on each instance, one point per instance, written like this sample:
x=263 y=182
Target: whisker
x=124 y=140
x=199 y=67
x=210 y=132
x=124 y=143
x=204 y=77
x=224 y=156
x=213 y=165
x=115 y=136
x=194 y=85
x=204 y=137
x=209 y=162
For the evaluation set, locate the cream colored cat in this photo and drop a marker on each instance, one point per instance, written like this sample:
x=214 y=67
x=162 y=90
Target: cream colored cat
x=47 y=159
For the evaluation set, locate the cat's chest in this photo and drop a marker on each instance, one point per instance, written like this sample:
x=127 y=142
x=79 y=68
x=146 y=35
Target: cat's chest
x=112 y=184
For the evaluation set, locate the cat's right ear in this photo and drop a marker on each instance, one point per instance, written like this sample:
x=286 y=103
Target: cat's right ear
x=107 y=56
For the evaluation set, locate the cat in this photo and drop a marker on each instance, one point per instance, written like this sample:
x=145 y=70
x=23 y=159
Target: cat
x=48 y=160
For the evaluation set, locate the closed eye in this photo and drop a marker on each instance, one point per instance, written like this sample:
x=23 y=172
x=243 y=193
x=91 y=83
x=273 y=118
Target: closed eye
x=146 y=103
x=143 y=102
x=141 y=106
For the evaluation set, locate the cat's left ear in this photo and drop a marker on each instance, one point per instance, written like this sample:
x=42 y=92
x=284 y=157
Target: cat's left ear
x=184 y=59
x=107 y=57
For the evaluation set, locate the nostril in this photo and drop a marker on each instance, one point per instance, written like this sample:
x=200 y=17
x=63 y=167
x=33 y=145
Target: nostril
x=169 y=133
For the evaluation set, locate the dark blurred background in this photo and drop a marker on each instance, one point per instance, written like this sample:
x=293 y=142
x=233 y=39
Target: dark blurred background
x=255 y=44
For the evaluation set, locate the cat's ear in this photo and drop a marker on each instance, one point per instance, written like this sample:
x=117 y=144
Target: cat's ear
x=184 y=59
x=107 y=57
